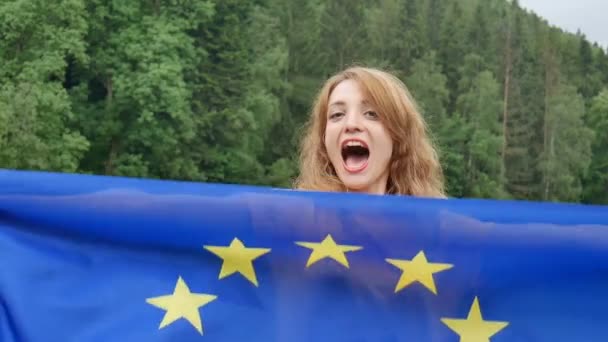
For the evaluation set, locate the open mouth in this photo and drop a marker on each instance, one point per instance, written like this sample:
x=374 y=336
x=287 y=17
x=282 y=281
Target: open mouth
x=355 y=155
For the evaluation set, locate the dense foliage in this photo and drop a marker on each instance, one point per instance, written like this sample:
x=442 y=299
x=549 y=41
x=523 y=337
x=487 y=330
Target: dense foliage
x=218 y=90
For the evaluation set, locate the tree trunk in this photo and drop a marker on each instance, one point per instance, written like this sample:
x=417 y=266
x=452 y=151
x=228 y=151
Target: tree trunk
x=551 y=156
x=551 y=81
x=546 y=137
x=109 y=164
x=505 y=112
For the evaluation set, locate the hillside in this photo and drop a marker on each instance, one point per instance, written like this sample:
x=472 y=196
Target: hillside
x=218 y=90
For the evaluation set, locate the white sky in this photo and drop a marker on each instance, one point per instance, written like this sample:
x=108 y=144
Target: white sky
x=590 y=16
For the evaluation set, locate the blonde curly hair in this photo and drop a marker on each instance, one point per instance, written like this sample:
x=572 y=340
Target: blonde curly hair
x=414 y=167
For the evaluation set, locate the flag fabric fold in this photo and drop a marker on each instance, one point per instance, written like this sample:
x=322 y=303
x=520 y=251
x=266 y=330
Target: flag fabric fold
x=93 y=258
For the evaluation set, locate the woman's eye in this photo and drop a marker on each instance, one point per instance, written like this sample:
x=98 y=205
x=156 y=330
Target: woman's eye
x=336 y=115
x=371 y=114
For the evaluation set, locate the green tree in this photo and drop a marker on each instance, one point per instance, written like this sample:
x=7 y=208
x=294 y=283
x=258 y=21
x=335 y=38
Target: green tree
x=523 y=110
x=428 y=86
x=413 y=43
x=383 y=29
x=342 y=33
x=434 y=19
x=141 y=120
x=480 y=105
x=596 y=180
x=454 y=133
x=590 y=76
x=263 y=100
x=452 y=50
x=300 y=23
x=567 y=151
x=479 y=35
x=602 y=66
x=38 y=41
x=218 y=91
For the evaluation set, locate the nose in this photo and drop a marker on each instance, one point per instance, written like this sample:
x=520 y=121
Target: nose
x=353 y=123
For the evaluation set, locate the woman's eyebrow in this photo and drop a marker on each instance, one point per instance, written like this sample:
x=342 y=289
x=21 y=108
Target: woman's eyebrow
x=338 y=104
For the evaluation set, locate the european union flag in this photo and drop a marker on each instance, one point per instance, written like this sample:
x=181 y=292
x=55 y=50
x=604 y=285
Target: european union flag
x=90 y=258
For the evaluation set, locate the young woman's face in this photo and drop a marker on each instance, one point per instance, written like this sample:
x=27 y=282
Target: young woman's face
x=358 y=144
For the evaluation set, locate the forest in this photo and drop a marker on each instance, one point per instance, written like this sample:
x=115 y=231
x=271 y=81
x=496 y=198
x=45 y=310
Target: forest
x=219 y=90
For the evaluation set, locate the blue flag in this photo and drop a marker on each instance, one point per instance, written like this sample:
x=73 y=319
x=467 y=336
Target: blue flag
x=91 y=258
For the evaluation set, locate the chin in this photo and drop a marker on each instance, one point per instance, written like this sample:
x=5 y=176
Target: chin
x=355 y=185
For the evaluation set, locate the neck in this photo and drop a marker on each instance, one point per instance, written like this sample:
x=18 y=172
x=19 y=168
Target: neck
x=376 y=188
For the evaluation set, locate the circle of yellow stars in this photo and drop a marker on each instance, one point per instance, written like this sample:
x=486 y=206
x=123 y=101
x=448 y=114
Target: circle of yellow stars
x=237 y=258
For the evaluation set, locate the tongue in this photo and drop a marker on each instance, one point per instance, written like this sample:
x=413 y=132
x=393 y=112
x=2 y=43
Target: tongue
x=354 y=161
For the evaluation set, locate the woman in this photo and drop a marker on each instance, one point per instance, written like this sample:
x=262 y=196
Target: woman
x=365 y=134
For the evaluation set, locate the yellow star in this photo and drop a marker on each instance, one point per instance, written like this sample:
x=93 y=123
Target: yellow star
x=328 y=249
x=238 y=258
x=418 y=269
x=474 y=328
x=182 y=304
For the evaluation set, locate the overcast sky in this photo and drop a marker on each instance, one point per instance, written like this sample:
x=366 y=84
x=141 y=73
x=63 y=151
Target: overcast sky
x=570 y=15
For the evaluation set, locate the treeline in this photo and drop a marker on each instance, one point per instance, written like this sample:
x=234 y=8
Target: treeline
x=218 y=90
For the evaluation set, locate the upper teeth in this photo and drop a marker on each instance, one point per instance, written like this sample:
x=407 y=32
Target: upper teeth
x=354 y=143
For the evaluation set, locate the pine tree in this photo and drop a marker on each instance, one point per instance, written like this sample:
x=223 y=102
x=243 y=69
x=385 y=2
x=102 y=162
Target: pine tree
x=567 y=153
x=221 y=82
x=414 y=39
x=434 y=20
x=384 y=33
x=428 y=86
x=480 y=106
x=453 y=33
x=300 y=22
x=523 y=112
x=342 y=34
